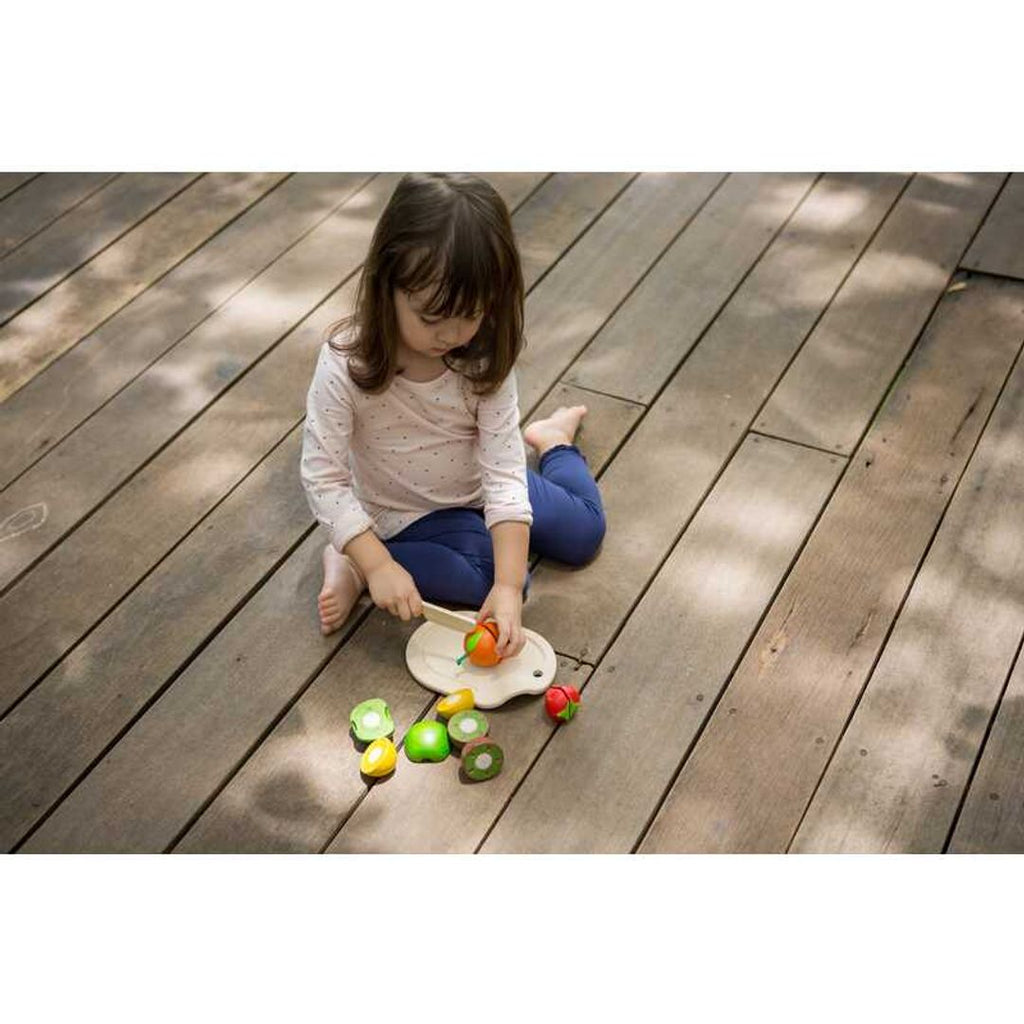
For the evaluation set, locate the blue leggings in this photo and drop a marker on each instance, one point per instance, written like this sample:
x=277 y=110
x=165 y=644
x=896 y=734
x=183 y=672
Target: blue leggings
x=449 y=552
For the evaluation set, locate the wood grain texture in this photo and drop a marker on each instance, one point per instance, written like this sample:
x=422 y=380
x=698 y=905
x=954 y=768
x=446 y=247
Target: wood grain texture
x=600 y=779
x=999 y=246
x=260 y=406
x=635 y=353
x=74 y=239
x=41 y=202
x=127 y=267
x=584 y=289
x=171 y=493
x=695 y=425
x=39 y=415
x=96 y=459
x=144 y=793
x=438 y=810
x=10 y=182
x=752 y=774
x=52 y=736
x=897 y=776
x=829 y=394
x=992 y=819
x=545 y=230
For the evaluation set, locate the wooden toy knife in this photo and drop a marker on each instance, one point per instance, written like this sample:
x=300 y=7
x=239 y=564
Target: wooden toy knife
x=443 y=617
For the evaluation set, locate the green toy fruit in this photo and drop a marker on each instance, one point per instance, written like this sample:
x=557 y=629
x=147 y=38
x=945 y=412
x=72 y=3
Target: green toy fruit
x=464 y=726
x=427 y=741
x=371 y=720
x=482 y=759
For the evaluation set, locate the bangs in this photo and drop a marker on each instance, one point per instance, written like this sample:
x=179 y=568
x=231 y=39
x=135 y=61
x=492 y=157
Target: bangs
x=460 y=269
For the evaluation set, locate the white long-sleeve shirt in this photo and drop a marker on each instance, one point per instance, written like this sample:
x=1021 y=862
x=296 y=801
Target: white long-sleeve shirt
x=383 y=461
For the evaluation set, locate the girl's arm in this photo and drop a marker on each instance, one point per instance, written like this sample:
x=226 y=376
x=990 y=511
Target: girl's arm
x=325 y=441
x=507 y=512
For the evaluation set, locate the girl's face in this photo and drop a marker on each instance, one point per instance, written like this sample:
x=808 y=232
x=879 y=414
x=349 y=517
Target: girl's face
x=428 y=335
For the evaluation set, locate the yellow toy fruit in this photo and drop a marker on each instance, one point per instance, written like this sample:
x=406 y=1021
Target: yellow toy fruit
x=379 y=758
x=457 y=700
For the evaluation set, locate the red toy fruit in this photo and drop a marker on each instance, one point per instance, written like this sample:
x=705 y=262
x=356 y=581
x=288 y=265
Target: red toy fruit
x=561 y=702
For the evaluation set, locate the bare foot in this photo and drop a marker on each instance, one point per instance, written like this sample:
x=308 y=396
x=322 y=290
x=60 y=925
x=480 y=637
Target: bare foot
x=559 y=428
x=343 y=583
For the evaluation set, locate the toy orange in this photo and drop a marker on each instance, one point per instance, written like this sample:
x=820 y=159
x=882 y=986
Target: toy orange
x=481 y=645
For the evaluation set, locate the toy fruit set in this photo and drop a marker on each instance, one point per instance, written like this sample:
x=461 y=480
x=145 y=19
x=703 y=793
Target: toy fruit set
x=466 y=730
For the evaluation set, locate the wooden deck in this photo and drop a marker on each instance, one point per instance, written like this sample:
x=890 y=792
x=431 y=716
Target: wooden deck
x=803 y=631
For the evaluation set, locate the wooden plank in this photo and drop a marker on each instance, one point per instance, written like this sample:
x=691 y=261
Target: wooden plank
x=51 y=255
x=82 y=471
x=37 y=417
x=127 y=267
x=11 y=182
x=52 y=736
x=992 y=820
x=752 y=773
x=295 y=789
x=634 y=354
x=254 y=411
x=584 y=289
x=144 y=792
x=898 y=775
x=600 y=777
x=695 y=425
x=93 y=566
x=430 y=809
x=999 y=246
x=545 y=231
x=829 y=394
x=41 y=202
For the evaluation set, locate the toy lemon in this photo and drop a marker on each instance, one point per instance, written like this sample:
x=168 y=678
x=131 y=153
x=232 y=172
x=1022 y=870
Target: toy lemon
x=457 y=700
x=379 y=758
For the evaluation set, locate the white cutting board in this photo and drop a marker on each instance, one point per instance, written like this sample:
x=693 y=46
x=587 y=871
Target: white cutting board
x=433 y=650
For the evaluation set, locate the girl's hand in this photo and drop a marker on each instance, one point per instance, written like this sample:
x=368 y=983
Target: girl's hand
x=504 y=604
x=393 y=589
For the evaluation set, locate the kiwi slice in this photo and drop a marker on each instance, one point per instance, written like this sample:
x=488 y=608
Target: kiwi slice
x=482 y=759
x=371 y=720
x=467 y=725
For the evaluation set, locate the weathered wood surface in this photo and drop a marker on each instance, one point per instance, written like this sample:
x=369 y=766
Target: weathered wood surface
x=636 y=353
x=95 y=460
x=829 y=394
x=600 y=779
x=184 y=698
x=52 y=404
x=701 y=416
x=753 y=773
x=51 y=255
x=999 y=246
x=101 y=560
x=277 y=390
x=900 y=771
x=992 y=819
x=93 y=293
x=144 y=792
x=586 y=287
x=40 y=202
x=11 y=181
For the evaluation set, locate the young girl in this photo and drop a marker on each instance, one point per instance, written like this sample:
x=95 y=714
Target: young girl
x=412 y=457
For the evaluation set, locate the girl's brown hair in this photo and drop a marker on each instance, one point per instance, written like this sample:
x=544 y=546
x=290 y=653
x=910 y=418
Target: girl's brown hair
x=452 y=232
